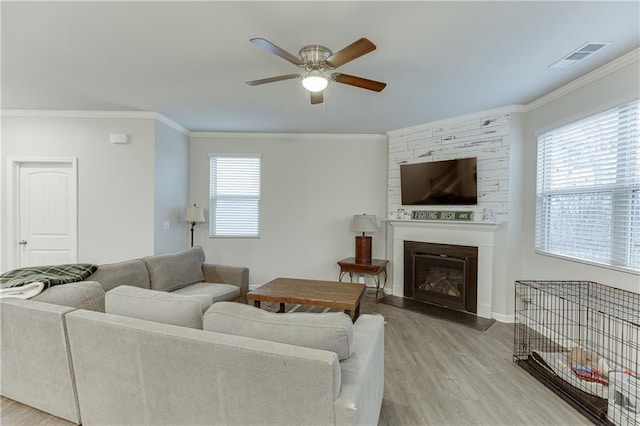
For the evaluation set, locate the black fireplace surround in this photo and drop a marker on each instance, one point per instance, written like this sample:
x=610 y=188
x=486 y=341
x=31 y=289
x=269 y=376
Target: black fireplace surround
x=443 y=274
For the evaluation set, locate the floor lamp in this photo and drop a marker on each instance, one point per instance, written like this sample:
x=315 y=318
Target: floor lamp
x=194 y=215
x=364 y=223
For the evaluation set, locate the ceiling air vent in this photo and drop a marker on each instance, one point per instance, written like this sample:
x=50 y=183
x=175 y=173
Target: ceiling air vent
x=580 y=54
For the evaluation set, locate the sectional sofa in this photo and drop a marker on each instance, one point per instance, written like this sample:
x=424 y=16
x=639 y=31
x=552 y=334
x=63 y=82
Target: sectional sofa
x=146 y=360
x=184 y=273
x=35 y=365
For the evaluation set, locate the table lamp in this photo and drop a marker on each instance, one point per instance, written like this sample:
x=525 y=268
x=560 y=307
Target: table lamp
x=194 y=215
x=363 y=223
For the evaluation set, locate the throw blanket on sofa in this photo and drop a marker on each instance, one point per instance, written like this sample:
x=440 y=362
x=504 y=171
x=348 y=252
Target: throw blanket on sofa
x=26 y=291
x=27 y=282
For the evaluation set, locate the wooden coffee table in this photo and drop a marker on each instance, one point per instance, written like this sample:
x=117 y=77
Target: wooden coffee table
x=327 y=294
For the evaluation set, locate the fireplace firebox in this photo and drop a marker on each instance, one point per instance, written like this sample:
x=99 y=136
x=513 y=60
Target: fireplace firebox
x=442 y=274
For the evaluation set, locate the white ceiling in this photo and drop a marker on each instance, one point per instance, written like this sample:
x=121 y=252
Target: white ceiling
x=189 y=60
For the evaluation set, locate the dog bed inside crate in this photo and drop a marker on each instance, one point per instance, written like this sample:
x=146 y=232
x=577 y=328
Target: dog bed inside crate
x=552 y=367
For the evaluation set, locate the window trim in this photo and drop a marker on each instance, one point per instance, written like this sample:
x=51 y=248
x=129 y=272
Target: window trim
x=585 y=115
x=588 y=262
x=235 y=155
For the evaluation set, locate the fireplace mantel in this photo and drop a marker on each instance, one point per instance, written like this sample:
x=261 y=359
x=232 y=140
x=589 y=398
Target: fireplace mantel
x=476 y=234
x=445 y=224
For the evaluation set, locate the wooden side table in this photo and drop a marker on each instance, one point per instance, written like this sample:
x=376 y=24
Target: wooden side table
x=377 y=268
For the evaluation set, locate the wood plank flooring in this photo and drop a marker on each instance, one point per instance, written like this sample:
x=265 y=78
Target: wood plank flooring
x=441 y=373
x=436 y=373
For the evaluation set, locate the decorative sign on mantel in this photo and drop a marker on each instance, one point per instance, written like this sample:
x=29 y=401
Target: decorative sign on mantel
x=440 y=215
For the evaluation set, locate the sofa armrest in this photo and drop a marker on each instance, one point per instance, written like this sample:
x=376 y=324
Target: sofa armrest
x=362 y=388
x=34 y=357
x=236 y=275
x=87 y=295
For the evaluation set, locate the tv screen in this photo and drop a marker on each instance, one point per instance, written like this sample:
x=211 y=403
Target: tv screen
x=450 y=182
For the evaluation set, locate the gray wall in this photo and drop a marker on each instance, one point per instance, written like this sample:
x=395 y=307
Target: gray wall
x=115 y=182
x=171 y=190
x=312 y=185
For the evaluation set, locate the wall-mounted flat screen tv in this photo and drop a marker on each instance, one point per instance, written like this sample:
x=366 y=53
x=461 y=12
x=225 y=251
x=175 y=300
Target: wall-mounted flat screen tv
x=449 y=182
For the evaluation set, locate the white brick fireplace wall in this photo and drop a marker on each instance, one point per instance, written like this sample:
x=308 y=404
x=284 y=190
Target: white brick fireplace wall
x=483 y=137
x=488 y=137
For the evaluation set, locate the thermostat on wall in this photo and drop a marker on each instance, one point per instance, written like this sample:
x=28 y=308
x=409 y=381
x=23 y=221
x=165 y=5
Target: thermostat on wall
x=118 y=138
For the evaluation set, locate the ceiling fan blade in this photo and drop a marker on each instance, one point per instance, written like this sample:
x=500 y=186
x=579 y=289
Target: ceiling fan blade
x=271 y=79
x=364 y=83
x=316 y=97
x=351 y=52
x=266 y=44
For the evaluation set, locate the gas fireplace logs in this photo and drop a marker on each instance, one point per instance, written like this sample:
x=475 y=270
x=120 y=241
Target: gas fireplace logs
x=441 y=285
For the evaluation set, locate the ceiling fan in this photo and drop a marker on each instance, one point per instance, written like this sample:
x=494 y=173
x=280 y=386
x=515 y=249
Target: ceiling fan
x=316 y=61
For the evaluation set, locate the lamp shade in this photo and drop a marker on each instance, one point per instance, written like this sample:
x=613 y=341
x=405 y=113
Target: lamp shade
x=364 y=223
x=194 y=214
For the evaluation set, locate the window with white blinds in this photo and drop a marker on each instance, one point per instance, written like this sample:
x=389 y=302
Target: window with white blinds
x=234 y=195
x=588 y=189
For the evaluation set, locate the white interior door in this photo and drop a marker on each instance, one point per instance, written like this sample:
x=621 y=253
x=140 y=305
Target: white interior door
x=46 y=213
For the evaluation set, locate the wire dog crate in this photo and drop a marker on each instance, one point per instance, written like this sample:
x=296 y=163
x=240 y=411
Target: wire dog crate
x=581 y=339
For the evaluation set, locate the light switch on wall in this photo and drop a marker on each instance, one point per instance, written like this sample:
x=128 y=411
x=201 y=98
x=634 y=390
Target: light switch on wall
x=167 y=225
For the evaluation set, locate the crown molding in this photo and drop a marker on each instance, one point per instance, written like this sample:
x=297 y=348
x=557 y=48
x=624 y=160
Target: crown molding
x=175 y=126
x=288 y=136
x=609 y=68
x=476 y=115
x=43 y=113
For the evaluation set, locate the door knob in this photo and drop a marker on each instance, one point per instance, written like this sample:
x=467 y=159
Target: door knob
x=22 y=242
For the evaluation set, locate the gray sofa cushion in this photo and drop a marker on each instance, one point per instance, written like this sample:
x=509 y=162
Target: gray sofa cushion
x=131 y=272
x=87 y=295
x=331 y=331
x=173 y=271
x=218 y=292
x=158 y=306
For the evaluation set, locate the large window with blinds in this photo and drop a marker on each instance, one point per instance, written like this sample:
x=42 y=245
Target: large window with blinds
x=588 y=189
x=234 y=195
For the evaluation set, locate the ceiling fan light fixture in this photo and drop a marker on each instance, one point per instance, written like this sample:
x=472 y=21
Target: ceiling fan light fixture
x=315 y=61
x=315 y=81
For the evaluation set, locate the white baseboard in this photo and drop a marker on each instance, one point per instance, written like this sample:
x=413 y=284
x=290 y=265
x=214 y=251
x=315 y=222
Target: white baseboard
x=504 y=318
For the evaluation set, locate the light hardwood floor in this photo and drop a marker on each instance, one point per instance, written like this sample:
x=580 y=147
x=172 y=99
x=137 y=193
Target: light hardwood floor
x=436 y=373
